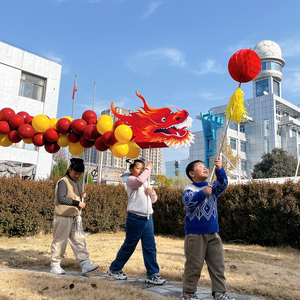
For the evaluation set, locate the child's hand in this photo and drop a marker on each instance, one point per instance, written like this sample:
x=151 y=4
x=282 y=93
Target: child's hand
x=149 y=164
x=83 y=195
x=218 y=163
x=207 y=190
x=81 y=205
x=149 y=191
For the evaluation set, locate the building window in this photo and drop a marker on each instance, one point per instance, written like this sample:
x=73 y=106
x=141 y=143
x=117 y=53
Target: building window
x=210 y=145
x=276 y=88
x=262 y=86
x=279 y=131
x=271 y=66
x=32 y=87
x=233 y=144
x=266 y=127
x=243 y=165
x=23 y=145
x=267 y=145
x=243 y=146
x=293 y=133
x=242 y=128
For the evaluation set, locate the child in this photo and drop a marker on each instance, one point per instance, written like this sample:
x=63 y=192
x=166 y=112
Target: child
x=202 y=241
x=67 y=223
x=138 y=226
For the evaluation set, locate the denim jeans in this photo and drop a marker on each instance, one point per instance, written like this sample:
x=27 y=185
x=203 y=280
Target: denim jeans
x=138 y=228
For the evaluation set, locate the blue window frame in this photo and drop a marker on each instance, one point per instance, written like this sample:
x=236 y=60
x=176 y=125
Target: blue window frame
x=262 y=86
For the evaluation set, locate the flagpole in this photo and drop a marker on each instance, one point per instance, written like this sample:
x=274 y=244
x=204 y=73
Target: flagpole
x=73 y=95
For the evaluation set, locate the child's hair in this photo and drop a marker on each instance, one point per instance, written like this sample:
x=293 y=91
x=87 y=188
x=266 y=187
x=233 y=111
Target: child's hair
x=190 y=167
x=77 y=164
x=134 y=162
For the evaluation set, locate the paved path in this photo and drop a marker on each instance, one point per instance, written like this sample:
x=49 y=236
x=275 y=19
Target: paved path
x=170 y=289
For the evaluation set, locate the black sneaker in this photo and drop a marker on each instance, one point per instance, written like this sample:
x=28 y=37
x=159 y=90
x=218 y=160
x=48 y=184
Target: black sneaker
x=155 y=280
x=221 y=296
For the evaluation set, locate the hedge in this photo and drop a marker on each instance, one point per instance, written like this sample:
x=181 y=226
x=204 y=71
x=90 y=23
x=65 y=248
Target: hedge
x=266 y=214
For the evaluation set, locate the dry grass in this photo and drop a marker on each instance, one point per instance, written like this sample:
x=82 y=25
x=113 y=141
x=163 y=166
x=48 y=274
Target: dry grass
x=272 y=273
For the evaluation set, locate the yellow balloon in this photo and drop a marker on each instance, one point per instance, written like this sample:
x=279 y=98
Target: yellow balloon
x=4 y=141
x=27 y=141
x=75 y=149
x=134 y=150
x=68 y=118
x=40 y=123
x=105 y=123
x=62 y=140
x=53 y=122
x=123 y=133
x=120 y=149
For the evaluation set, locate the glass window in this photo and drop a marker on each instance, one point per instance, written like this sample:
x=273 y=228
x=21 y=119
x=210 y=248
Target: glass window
x=233 y=144
x=210 y=145
x=243 y=146
x=266 y=127
x=243 y=165
x=276 y=88
x=271 y=66
x=293 y=133
x=32 y=87
x=242 y=128
x=267 y=145
x=262 y=86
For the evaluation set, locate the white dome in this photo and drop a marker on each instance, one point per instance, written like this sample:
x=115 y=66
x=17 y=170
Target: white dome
x=268 y=49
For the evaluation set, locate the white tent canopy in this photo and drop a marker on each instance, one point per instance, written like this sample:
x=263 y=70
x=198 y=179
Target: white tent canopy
x=12 y=168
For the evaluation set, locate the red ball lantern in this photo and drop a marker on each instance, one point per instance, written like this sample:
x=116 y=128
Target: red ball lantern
x=100 y=145
x=15 y=121
x=63 y=125
x=51 y=147
x=244 y=65
x=14 y=137
x=6 y=113
x=85 y=143
x=25 y=131
x=38 y=140
x=88 y=115
x=51 y=135
x=4 y=127
x=73 y=137
x=78 y=125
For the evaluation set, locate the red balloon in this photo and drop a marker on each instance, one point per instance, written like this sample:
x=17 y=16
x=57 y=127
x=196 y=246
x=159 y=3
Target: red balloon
x=85 y=143
x=63 y=125
x=15 y=121
x=14 y=137
x=117 y=123
x=52 y=147
x=4 y=127
x=38 y=140
x=244 y=65
x=109 y=138
x=78 y=125
x=73 y=137
x=29 y=119
x=25 y=131
x=51 y=135
x=6 y=113
x=99 y=144
x=92 y=121
x=88 y=115
x=23 y=114
x=90 y=132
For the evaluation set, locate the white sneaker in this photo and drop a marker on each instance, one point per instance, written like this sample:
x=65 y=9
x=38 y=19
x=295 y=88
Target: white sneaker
x=56 y=268
x=87 y=267
x=119 y=275
x=155 y=280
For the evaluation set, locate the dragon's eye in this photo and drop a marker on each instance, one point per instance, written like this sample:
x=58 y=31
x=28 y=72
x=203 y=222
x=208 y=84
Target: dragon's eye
x=163 y=119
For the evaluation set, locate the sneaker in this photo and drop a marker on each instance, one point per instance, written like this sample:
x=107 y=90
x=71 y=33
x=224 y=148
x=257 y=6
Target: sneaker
x=221 y=296
x=119 y=275
x=88 y=267
x=155 y=280
x=186 y=296
x=57 y=269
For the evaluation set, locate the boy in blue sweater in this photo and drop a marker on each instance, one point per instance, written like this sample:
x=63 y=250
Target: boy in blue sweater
x=202 y=241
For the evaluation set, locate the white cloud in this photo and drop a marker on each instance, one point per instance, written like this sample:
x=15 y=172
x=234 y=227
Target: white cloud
x=292 y=83
x=290 y=47
x=209 y=66
x=146 y=62
x=152 y=7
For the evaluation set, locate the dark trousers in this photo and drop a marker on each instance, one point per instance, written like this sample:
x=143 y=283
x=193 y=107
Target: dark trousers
x=138 y=228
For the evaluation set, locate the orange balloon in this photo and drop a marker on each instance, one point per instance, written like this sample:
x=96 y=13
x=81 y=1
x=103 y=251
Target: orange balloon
x=120 y=149
x=63 y=140
x=27 y=141
x=76 y=149
x=123 y=133
x=134 y=150
x=104 y=123
x=4 y=141
x=53 y=122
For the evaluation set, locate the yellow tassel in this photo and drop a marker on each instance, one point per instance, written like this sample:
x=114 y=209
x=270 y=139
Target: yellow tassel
x=235 y=109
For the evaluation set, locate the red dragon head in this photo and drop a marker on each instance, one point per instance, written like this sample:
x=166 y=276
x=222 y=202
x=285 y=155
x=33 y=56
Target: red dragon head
x=158 y=125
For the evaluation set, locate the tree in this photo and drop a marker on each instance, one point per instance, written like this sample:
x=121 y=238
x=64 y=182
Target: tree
x=278 y=163
x=163 y=180
x=181 y=182
x=60 y=168
x=60 y=155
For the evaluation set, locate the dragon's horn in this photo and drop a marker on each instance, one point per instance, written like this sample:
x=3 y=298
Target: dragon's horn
x=146 y=106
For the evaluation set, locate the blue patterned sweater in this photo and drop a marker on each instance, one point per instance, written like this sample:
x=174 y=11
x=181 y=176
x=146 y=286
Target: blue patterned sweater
x=201 y=210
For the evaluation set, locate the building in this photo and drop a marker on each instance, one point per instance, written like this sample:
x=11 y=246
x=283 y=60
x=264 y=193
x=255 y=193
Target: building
x=120 y=164
x=29 y=83
x=176 y=168
x=273 y=121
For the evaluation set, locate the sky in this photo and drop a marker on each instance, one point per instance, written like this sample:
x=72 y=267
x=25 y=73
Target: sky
x=174 y=52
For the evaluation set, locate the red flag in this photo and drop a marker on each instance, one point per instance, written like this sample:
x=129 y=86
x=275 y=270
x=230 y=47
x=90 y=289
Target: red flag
x=74 y=89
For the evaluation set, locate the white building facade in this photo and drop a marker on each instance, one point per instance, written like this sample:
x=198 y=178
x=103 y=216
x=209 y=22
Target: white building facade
x=273 y=121
x=29 y=83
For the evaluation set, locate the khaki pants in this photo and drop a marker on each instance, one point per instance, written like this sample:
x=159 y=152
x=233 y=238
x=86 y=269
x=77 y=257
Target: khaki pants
x=68 y=229
x=200 y=247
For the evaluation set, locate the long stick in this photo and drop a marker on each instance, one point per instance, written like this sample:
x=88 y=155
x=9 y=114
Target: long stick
x=149 y=197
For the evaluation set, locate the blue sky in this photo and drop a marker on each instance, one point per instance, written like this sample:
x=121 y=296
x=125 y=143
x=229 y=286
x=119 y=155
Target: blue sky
x=173 y=52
